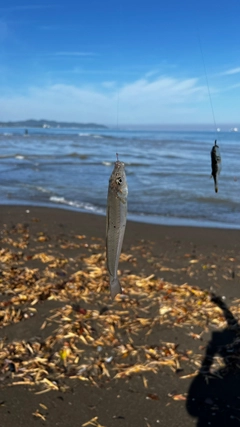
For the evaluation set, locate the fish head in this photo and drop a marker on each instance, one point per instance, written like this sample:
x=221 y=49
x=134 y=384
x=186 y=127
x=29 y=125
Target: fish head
x=214 y=150
x=118 y=180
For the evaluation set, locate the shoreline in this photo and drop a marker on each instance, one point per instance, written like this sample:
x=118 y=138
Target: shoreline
x=141 y=218
x=96 y=224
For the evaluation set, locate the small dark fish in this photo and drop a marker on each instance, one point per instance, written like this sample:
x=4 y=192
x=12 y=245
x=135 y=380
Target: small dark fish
x=216 y=164
x=116 y=223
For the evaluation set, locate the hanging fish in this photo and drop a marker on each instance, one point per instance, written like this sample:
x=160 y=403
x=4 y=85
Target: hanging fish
x=116 y=223
x=216 y=164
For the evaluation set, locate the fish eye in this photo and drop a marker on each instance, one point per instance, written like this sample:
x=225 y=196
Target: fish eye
x=119 y=180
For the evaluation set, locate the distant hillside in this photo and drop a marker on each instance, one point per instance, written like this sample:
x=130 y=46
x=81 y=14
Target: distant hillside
x=50 y=124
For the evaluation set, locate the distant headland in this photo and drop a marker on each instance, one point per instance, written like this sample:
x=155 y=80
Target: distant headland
x=50 y=124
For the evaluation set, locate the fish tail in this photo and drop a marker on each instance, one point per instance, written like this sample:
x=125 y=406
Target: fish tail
x=215 y=184
x=115 y=287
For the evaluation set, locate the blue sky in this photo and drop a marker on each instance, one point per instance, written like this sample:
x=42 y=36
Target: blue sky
x=125 y=61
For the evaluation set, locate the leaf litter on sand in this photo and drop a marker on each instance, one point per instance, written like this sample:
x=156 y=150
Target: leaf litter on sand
x=92 y=339
x=92 y=422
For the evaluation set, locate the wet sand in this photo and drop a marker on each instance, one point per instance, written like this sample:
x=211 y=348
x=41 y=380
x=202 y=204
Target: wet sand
x=69 y=355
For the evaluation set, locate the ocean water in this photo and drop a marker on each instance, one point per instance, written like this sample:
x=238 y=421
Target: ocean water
x=168 y=173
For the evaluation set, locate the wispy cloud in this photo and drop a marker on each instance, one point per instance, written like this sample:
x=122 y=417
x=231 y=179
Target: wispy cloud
x=164 y=90
x=52 y=27
x=231 y=71
x=143 y=101
x=67 y=53
x=109 y=85
x=26 y=7
x=152 y=73
x=228 y=88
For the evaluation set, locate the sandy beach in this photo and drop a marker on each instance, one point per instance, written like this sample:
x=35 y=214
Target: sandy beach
x=164 y=353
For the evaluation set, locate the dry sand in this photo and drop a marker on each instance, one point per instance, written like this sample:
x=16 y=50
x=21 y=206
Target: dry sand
x=69 y=356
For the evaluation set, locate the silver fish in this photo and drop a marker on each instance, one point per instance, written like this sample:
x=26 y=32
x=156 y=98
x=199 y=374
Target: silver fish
x=216 y=164
x=116 y=223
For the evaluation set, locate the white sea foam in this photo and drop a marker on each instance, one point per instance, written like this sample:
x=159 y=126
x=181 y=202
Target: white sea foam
x=75 y=204
x=107 y=163
x=19 y=157
x=42 y=189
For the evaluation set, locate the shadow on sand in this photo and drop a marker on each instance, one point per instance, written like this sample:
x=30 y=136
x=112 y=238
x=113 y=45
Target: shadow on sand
x=214 y=396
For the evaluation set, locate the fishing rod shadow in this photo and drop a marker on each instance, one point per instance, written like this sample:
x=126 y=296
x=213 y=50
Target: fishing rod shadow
x=214 y=394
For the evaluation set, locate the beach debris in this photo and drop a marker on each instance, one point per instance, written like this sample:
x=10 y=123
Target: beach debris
x=38 y=412
x=152 y=396
x=116 y=223
x=83 y=336
x=178 y=396
x=92 y=422
x=216 y=164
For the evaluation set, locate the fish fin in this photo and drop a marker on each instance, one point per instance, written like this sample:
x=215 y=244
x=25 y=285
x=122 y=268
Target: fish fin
x=115 y=287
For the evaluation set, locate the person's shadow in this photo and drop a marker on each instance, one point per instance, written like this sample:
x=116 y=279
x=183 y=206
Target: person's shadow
x=214 y=396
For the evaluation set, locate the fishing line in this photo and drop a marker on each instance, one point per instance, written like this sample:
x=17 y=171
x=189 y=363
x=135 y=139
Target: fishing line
x=117 y=107
x=206 y=76
x=215 y=153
